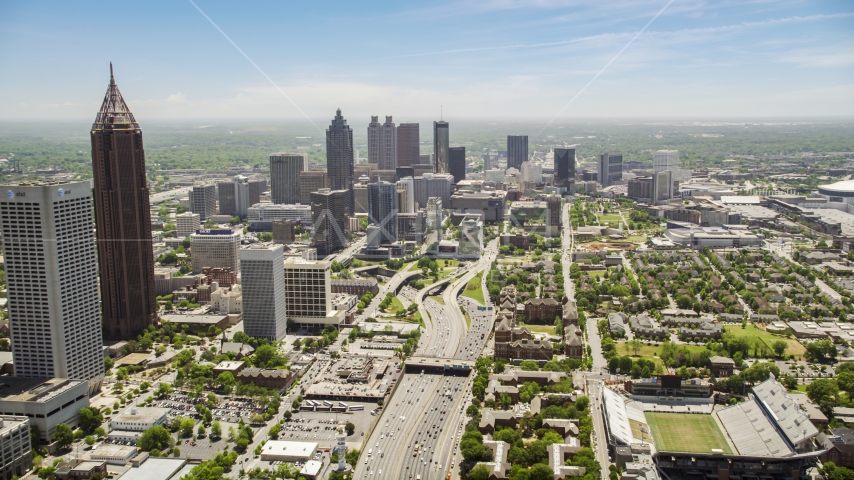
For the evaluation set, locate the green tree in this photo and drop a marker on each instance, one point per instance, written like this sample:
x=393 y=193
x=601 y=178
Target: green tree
x=822 y=389
x=541 y=471
x=529 y=366
x=216 y=429
x=779 y=347
x=830 y=471
x=89 y=419
x=845 y=380
x=155 y=438
x=481 y=472
x=90 y=440
x=63 y=436
x=350 y=428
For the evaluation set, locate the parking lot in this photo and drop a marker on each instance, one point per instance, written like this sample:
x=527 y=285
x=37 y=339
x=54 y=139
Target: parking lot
x=321 y=427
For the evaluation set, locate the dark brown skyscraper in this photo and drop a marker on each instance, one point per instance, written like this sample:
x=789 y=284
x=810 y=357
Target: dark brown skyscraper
x=408 y=149
x=122 y=219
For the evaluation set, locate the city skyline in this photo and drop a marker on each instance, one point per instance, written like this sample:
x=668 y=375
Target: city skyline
x=694 y=59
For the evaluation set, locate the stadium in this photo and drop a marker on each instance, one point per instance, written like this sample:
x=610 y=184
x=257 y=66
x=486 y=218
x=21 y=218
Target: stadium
x=677 y=424
x=839 y=192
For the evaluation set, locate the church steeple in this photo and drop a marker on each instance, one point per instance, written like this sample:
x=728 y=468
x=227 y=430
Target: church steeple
x=114 y=112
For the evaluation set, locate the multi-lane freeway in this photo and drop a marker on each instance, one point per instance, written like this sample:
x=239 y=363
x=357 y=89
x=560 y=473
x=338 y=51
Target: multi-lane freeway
x=422 y=421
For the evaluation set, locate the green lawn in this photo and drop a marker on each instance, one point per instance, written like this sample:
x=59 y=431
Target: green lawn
x=396 y=306
x=474 y=289
x=636 y=238
x=603 y=219
x=752 y=332
x=550 y=329
x=686 y=432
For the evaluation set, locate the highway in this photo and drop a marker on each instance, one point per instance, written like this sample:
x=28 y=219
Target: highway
x=419 y=413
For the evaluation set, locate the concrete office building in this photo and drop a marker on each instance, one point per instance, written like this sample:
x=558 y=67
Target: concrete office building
x=311 y=181
x=490 y=160
x=16 y=453
x=47 y=402
x=662 y=186
x=382 y=144
x=564 y=168
x=531 y=173
x=329 y=219
x=411 y=227
x=382 y=209
x=123 y=219
x=490 y=205
x=339 y=161
x=187 y=223
x=610 y=168
x=52 y=281
x=203 y=201
x=284 y=231
x=457 y=163
x=285 y=170
x=263 y=287
x=408 y=145
x=216 y=248
x=234 y=196
x=441 y=147
x=257 y=186
x=308 y=292
x=665 y=160
x=140 y=419
x=271 y=211
x=433 y=185
x=517 y=150
x=406 y=195
x=471 y=236
x=360 y=196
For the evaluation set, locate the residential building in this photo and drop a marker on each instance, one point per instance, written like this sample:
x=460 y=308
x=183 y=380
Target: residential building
x=263 y=288
x=308 y=292
x=408 y=144
x=457 y=163
x=311 y=181
x=610 y=168
x=542 y=311
x=16 y=453
x=329 y=219
x=122 y=219
x=187 y=223
x=721 y=366
x=52 y=282
x=840 y=447
x=356 y=286
x=406 y=195
x=216 y=248
x=203 y=201
x=339 y=162
x=517 y=150
x=285 y=171
x=382 y=209
x=564 y=168
x=441 y=146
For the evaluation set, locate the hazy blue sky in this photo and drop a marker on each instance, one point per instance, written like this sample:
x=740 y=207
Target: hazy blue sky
x=487 y=58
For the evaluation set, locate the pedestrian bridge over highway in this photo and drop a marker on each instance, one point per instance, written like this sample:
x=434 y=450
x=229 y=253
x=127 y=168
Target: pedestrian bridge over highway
x=439 y=366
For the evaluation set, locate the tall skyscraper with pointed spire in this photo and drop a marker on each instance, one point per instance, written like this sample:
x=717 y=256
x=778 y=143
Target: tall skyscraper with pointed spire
x=339 y=158
x=122 y=219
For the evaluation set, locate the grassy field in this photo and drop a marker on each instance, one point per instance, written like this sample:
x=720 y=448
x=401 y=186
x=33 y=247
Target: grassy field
x=474 y=289
x=751 y=332
x=686 y=432
x=636 y=238
x=438 y=298
x=550 y=329
x=603 y=219
x=396 y=306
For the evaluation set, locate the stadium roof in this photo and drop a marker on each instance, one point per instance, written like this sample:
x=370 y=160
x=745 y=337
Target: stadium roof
x=792 y=420
x=846 y=186
x=752 y=432
x=618 y=419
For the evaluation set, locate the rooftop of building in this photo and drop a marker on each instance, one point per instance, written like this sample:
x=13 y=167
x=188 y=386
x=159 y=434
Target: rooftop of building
x=42 y=390
x=209 y=319
x=142 y=415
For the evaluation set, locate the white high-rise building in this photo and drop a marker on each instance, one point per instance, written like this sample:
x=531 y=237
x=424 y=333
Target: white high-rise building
x=216 y=249
x=665 y=160
x=52 y=281
x=263 y=288
x=406 y=192
x=532 y=172
x=187 y=223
